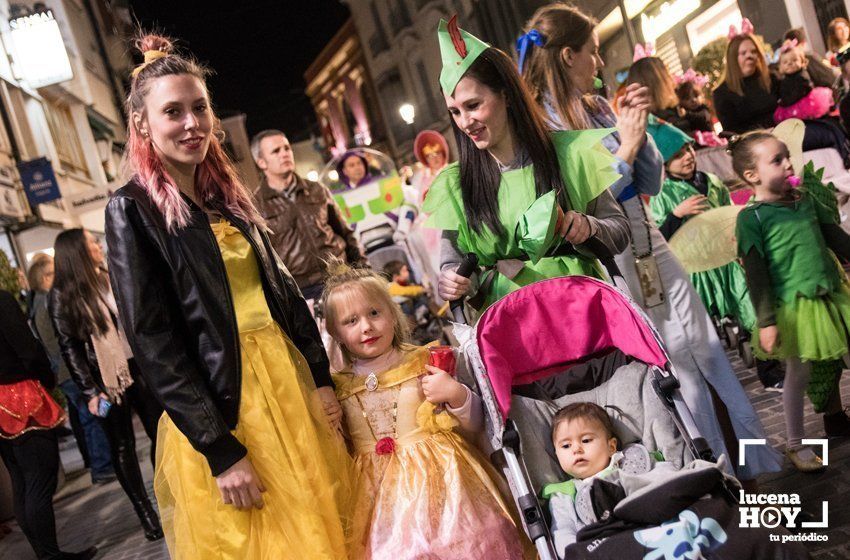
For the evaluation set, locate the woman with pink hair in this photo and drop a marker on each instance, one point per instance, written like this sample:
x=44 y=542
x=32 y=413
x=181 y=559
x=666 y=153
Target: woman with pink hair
x=249 y=463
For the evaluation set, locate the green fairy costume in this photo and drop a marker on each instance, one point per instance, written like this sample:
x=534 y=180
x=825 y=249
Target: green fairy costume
x=723 y=290
x=810 y=291
x=522 y=254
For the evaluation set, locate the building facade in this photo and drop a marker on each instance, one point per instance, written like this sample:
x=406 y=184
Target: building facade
x=401 y=51
x=75 y=122
x=343 y=95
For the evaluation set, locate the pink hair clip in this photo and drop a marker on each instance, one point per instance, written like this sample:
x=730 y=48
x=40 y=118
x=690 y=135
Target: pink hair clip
x=643 y=51
x=746 y=29
x=690 y=75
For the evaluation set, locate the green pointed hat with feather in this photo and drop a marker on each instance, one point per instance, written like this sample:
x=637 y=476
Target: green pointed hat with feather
x=459 y=50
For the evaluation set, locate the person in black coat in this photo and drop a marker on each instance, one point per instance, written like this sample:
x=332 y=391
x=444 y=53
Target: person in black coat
x=32 y=455
x=746 y=98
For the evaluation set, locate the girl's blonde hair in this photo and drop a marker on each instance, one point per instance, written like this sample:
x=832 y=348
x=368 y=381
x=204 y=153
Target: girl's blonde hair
x=341 y=280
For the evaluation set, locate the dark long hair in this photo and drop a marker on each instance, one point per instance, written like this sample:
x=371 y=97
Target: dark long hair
x=78 y=284
x=479 y=172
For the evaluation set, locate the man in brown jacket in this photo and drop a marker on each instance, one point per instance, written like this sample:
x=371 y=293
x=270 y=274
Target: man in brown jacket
x=307 y=226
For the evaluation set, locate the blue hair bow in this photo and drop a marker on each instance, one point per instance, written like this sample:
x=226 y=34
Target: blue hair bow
x=525 y=41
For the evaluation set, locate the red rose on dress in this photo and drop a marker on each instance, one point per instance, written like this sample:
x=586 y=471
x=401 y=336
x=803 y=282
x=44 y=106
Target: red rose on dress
x=385 y=446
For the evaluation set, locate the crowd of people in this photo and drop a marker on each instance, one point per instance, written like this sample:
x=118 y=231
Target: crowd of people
x=275 y=374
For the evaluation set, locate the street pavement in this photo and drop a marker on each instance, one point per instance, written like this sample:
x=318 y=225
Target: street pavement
x=103 y=516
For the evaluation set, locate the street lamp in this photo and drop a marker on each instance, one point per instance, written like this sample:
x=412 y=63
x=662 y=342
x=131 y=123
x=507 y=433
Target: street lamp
x=407 y=112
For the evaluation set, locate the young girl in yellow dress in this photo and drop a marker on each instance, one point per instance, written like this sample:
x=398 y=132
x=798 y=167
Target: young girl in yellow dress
x=248 y=464
x=422 y=490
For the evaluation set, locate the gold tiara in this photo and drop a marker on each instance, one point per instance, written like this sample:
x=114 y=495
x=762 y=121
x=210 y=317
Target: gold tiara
x=150 y=56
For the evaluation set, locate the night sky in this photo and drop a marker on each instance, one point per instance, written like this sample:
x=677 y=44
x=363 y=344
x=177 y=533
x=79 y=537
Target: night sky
x=259 y=51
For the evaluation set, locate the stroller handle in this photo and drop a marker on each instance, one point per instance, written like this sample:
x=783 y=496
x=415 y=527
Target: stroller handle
x=604 y=255
x=466 y=268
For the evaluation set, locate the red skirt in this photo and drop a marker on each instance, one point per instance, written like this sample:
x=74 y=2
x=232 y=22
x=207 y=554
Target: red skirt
x=26 y=406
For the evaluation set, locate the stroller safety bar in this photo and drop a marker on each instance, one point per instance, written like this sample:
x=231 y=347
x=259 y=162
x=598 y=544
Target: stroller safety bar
x=665 y=385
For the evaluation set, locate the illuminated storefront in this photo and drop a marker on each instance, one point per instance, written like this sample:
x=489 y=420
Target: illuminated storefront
x=680 y=28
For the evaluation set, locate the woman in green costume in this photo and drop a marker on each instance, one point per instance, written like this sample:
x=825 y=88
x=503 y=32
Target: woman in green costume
x=519 y=196
x=786 y=238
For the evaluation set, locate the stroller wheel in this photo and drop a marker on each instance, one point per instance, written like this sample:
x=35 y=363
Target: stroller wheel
x=731 y=330
x=745 y=351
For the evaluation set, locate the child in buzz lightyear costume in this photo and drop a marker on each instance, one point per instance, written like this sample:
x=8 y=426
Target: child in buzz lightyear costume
x=374 y=205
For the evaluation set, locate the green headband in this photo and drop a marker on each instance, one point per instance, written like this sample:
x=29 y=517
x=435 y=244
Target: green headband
x=459 y=50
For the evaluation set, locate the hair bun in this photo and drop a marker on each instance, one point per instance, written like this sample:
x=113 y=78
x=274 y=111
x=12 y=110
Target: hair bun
x=336 y=267
x=154 y=42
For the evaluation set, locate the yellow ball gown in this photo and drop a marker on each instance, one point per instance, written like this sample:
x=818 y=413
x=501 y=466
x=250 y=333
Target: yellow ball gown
x=422 y=490
x=290 y=443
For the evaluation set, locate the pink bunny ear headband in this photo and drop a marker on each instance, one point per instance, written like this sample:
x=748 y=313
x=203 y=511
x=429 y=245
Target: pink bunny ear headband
x=788 y=45
x=643 y=51
x=690 y=75
x=746 y=29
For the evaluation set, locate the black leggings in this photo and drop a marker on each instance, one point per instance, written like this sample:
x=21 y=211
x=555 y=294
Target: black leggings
x=118 y=426
x=33 y=464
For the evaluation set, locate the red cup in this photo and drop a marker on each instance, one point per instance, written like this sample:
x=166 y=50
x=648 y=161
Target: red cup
x=443 y=357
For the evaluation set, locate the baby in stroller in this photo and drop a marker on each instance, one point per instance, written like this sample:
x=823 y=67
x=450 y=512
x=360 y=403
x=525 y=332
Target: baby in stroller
x=623 y=493
x=586 y=447
x=610 y=356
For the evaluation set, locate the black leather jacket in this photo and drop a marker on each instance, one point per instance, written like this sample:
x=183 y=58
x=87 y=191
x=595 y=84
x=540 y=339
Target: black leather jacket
x=175 y=304
x=78 y=353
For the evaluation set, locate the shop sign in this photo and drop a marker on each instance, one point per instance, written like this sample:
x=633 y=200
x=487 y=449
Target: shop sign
x=38 y=50
x=87 y=200
x=668 y=15
x=39 y=181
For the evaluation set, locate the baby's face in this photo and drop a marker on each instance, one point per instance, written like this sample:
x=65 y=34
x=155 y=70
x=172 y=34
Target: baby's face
x=693 y=100
x=583 y=448
x=790 y=62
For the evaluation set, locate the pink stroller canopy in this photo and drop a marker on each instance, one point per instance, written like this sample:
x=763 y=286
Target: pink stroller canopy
x=552 y=325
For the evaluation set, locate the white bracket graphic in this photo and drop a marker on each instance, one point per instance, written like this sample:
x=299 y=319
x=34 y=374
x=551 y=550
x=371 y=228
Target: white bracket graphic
x=824 y=521
x=824 y=448
x=742 y=448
